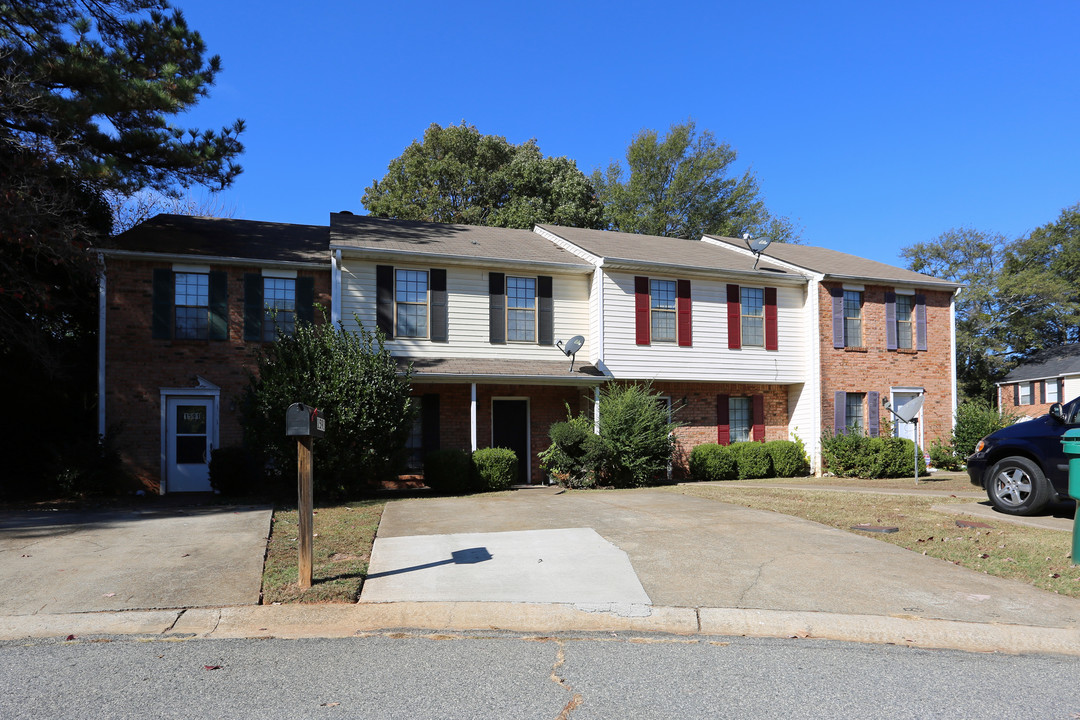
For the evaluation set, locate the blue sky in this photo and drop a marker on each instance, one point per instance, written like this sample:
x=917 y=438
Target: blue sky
x=873 y=125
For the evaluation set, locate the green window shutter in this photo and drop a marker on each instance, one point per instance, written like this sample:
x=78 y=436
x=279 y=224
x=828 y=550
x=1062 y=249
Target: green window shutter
x=253 y=307
x=219 y=305
x=162 y=304
x=305 y=299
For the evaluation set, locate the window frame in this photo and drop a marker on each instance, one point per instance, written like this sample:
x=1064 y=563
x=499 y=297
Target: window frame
x=909 y=300
x=857 y=319
x=533 y=311
x=398 y=334
x=855 y=422
x=202 y=326
x=733 y=415
x=1056 y=385
x=672 y=312
x=277 y=318
x=745 y=317
x=1030 y=387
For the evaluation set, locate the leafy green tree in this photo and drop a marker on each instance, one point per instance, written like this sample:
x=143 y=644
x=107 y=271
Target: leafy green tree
x=457 y=175
x=350 y=377
x=678 y=185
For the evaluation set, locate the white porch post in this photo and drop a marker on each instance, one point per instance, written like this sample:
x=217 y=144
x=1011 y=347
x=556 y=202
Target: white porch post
x=472 y=417
x=596 y=409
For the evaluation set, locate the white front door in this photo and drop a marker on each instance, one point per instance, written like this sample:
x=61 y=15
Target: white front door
x=903 y=429
x=190 y=432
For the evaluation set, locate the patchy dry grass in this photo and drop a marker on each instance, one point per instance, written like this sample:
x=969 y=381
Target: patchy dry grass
x=951 y=482
x=344 y=535
x=1031 y=555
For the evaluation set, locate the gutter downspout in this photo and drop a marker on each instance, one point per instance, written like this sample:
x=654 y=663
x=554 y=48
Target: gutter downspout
x=813 y=289
x=952 y=358
x=472 y=417
x=335 y=287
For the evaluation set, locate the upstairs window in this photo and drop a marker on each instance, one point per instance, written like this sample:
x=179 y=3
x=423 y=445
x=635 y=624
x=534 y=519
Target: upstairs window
x=279 y=298
x=853 y=336
x=192 y=304
x=662 y=310
x=521 y=309
x=411 y=303
x=905 y=315
x=753 y=316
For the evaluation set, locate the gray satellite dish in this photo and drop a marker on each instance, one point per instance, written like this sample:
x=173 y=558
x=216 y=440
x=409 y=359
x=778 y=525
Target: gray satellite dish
x=756 y=246
x=910 y=409
x=570 y=349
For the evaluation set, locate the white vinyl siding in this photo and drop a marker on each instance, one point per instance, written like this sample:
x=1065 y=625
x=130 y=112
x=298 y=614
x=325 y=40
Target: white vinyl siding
x=709 y=360
x=468 y=312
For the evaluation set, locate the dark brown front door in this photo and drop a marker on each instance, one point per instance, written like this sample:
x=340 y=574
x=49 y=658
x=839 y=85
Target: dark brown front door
x=510 y=429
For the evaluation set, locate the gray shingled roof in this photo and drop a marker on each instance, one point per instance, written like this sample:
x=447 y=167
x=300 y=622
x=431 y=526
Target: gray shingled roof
x=838 y=264
x=469 y=241
x=502 y=369
x=226 y=237
x=637 y=248
x=1049 y=363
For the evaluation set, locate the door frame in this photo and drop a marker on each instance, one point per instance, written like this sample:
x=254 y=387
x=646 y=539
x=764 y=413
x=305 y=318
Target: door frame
x=919 y=429
x=528 y=429
x=203 y=391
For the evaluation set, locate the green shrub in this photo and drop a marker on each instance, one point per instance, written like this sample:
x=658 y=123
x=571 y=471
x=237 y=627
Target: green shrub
x=496 y=468
x=710 y=462
x=233 y=471
x=575 y=452
x=751 y=460
x=942 y=456
x=788 y=458
x=975 y=419
x=636 y=434
x=855 y=455
x=449 y=471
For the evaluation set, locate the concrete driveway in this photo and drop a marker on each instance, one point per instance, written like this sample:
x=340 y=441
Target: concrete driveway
x=693 y=552
x=85 y=561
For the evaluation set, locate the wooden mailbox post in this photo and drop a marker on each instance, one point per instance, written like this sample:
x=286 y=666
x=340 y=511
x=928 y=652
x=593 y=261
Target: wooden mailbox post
x=304 y=423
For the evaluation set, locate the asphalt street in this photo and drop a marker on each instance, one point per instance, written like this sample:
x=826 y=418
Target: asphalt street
x=501 y=675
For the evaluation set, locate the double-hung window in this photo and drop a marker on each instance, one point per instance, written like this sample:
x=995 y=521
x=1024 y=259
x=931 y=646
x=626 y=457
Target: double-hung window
x=411 y=303
x=853 y=408
x=1025 y=393
x=521 y=309
x=905 y=315
x=192 y=303
x=752 y=304
x=740 y=418
x=1053 y=391
x=662 y=310
x=279 y=298
x=853 y=336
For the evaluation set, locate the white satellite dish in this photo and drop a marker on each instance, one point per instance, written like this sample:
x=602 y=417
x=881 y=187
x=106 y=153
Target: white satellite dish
x=571 y=348
x=910 y=409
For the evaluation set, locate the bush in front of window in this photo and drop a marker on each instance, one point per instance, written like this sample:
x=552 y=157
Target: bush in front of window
x=496 y=468
x=752 y=460
x=575 y=454
x=449 y=472
x=233 y=471
x=636 y=434
x=710 y=462
x=856 y=455
x=975 y=419
x=788 y=458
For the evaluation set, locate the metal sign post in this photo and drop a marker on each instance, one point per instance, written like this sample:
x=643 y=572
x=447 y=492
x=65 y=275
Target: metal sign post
x=909 y=414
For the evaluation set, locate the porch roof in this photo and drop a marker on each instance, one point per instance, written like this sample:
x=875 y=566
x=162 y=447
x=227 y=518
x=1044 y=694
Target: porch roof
x=530 y=372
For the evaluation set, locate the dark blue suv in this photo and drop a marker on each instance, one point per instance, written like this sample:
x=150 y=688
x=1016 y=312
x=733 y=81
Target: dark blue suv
x=1023 y=467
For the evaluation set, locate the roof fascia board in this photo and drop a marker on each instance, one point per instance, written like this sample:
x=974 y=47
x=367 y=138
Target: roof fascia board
x=1071 y=373
x=524 y=379
x=711 y=273
x=212 y=259
x=940 y=285
x=446 y=259
x=570 y=247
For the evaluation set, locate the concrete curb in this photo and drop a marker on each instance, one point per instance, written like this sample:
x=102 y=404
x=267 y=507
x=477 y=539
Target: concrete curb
x=331 y=621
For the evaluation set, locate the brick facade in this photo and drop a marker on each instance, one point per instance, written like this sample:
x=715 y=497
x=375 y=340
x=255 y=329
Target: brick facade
x=872 y=367
x=1008 y=395
x=137 y=366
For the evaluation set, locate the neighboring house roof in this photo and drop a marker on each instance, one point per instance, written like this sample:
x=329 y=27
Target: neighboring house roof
x=226 y=238
x=652 y=249
x=362 y=232
x=836 y=264
x=502 y=369
x=1049 y=363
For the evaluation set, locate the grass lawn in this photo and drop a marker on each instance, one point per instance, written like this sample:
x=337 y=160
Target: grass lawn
x=951 y=482
x=1031 y=555
x=342 y=548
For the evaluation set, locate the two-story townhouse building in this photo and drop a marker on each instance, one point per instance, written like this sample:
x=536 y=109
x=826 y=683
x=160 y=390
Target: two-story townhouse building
x=182 y=303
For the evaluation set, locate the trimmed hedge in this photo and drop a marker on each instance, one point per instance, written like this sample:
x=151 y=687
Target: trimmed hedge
x=449 y=471
x=496 y=468
x=854 y=455
x=575 y=454
x=710 y=461
x=752 y=460
x=788 y=458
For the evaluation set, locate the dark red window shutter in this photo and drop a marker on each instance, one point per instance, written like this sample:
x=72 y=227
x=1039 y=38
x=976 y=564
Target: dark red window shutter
x=772 y=332
x=723 y=422
x=641 y=309
x=734 y=318
x=757 y=402
x=684 y=304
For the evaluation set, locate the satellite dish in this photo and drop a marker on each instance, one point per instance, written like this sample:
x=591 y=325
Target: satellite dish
x=910 y=409
x=756 y=246
x=570 y=349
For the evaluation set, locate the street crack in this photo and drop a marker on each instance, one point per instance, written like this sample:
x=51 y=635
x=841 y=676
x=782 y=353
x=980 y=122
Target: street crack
x=575 y=700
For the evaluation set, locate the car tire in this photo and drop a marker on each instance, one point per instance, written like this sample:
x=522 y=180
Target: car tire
x=1017 y=486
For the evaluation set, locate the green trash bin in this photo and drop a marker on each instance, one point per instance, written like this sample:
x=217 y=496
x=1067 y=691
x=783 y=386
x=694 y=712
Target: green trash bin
x=1070 y=443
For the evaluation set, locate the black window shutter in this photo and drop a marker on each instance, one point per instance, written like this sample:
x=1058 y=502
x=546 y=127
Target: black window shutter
x=429 y=422
x=253 y=307
x=219 y=305
x=162 y=304
x=545 y=309
x=497 y=306
x=873 y=418
x=305 y=299
x=439 y=321
x=384 y=299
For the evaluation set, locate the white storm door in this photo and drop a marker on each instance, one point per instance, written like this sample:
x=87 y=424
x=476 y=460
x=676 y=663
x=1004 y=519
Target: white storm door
x=190 y=436
x=903 y=429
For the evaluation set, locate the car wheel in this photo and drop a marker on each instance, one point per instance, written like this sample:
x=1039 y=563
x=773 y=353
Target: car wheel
x=1017 y=486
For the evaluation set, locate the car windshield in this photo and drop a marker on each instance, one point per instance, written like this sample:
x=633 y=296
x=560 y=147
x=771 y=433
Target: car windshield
x=1069 y=411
